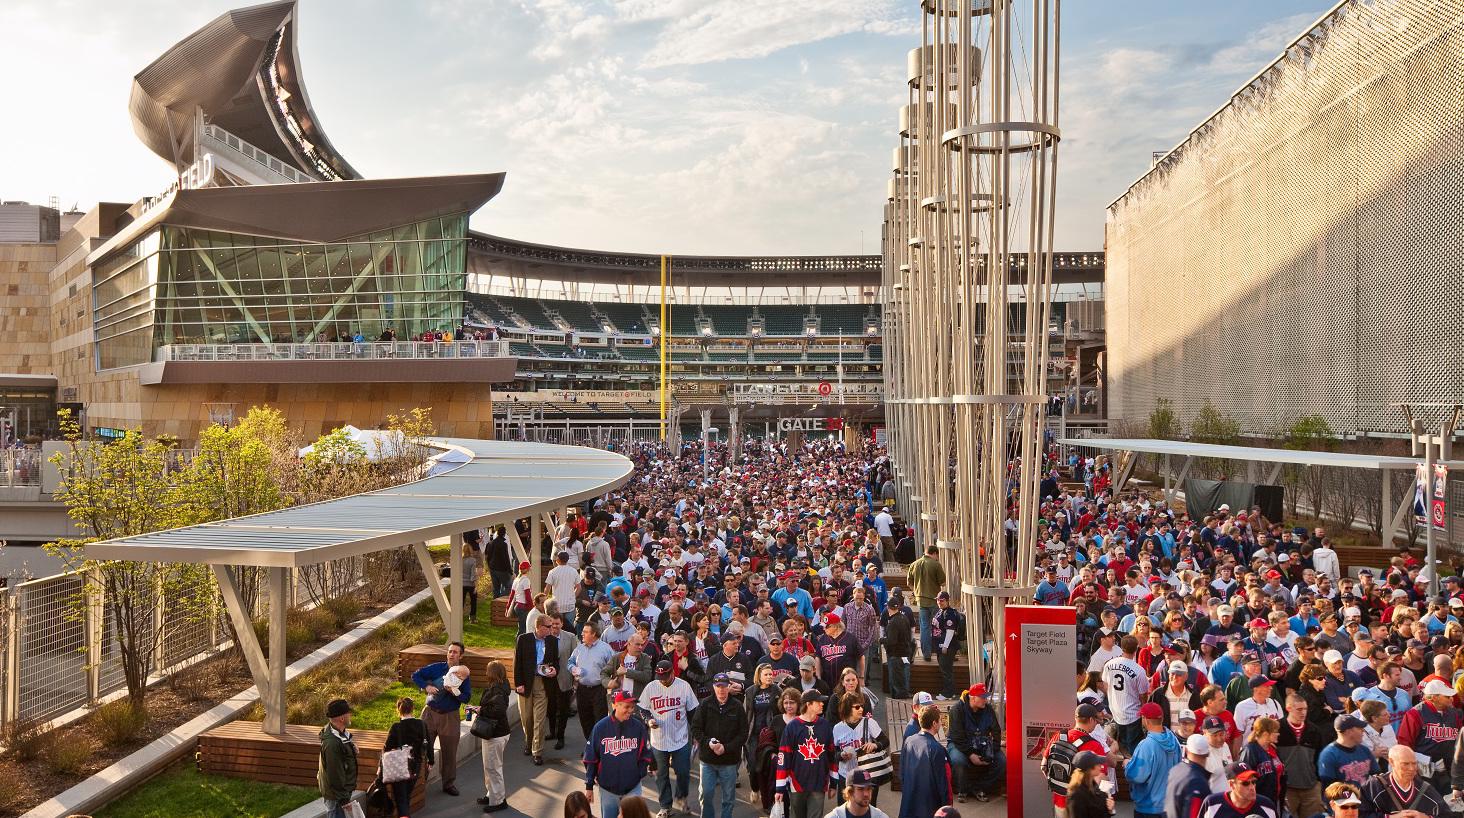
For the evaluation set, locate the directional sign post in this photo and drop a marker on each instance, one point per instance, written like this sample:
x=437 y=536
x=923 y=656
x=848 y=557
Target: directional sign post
x=1041 y=648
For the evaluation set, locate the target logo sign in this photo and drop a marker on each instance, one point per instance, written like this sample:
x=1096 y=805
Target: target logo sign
x=825 y=388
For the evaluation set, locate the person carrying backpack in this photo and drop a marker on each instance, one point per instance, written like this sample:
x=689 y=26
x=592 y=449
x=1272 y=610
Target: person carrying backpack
x=1057 y=763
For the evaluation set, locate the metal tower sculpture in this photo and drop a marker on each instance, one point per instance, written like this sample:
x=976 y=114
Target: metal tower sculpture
x=968 y=277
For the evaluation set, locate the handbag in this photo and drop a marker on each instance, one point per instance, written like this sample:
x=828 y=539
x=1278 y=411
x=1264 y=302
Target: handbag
x=876 y=764
x=378 y=801
x=396 y=765
x=483 y=727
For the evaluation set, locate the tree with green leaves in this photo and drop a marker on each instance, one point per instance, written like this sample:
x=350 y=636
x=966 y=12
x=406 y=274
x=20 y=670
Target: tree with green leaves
x=1215 y=427
x=124 y=488
x=1163 y=422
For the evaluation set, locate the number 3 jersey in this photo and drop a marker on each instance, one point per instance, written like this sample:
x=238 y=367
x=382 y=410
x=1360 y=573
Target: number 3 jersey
x=806 y=759
x=669 y=705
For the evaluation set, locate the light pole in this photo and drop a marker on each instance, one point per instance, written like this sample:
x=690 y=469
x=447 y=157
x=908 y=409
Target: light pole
x=1434 y=448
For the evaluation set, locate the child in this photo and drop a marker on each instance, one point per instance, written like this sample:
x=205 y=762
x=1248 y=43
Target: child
x=456 y=675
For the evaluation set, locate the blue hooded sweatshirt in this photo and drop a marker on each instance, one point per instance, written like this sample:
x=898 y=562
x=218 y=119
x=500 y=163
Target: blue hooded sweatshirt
x=1148 y=770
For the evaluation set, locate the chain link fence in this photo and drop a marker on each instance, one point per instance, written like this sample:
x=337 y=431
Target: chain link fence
x=50 y=665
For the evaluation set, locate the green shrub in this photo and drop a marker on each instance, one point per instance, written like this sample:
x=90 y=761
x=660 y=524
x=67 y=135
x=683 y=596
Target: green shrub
x=343 y=610
x=118 y=723
x=68 y=755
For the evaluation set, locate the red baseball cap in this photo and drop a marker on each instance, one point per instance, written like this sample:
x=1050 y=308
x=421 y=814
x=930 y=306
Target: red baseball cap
x=977 y=689
x=523 y=566
x=832 y=619
x=1151 y=710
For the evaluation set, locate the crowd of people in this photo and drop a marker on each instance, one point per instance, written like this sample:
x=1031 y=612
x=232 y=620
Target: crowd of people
x=734 y=614
x=1229 y=667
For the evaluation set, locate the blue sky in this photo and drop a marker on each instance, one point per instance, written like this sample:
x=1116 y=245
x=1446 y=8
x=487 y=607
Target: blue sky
x=687 y=126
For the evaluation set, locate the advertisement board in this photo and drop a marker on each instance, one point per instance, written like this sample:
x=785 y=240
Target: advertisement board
x=1041 y=648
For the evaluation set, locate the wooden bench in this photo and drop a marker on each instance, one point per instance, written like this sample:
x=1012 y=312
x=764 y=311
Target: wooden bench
x=897 y=715
x=241 y=749
x=409 y=660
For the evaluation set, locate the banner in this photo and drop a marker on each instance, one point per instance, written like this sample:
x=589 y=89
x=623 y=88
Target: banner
x=1041 y=648
x=1438 y=510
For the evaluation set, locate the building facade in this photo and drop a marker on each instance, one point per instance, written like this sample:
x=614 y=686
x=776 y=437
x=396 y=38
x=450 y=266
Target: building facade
x=1300 y=252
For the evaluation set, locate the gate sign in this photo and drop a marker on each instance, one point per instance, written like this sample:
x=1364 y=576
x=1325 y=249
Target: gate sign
x=786 y=425
x=1041 y=644
x=825 y=388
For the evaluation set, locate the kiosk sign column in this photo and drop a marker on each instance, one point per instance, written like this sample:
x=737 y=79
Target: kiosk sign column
x=1041 y=649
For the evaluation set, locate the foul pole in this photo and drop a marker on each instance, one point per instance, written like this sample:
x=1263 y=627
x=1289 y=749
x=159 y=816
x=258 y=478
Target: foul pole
x=665 y=339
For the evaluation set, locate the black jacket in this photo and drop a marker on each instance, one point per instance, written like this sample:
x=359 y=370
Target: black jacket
x=725 y=722
x=494 y=705
x=739 y=667
x=973 y=730
x=796 y=683
x=410 y=732
x=897 y=639
x=526 y=665
x=1088 y=802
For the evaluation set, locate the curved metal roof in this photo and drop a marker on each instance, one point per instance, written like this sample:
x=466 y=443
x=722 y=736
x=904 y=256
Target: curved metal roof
x=498 y=481
x=242 y=71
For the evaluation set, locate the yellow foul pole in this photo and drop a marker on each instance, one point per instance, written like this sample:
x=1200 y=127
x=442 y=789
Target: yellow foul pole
x=665 y=343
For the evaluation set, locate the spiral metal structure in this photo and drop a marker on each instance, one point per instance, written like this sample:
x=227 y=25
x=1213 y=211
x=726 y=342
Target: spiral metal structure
x=967 y=283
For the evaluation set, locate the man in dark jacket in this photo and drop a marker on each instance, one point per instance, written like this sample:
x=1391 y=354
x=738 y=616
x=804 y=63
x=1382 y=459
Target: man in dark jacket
x=535 y=671
x=732 y=662
x=719 y=725
x=336 y=775
x=617 y=755
x=1189 y=783
x=925 y=770
x=899 y=648
x=974 y=745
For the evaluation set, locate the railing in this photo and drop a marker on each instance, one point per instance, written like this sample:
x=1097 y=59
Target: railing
x=20 y=467
x=339 y=351
x=221 y=138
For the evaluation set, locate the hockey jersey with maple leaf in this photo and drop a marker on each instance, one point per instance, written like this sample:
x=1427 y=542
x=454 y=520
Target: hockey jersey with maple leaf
x=806 y=758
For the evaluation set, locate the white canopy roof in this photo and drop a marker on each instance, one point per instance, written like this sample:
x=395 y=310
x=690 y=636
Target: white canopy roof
x=491 y=482
x=1305 y=458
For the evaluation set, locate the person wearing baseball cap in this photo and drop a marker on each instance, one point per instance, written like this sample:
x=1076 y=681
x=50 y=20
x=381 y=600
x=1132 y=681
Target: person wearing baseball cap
x=925 y=769
x=808 y=762
x=617 y=755
x=1176 y=694
x=978 y=764
x=667 y=702
x=1189 y=783
x=918 y=704
x=859 y=792
x=1240 y=799
x=1346 y=759
x=1082 y=736
x=336 y=776
x=720 y=727
x=1148 y=770
x=1432 y=728
x=520 y=599
x=837 y=650
x=946 y=635
x=1260 y=704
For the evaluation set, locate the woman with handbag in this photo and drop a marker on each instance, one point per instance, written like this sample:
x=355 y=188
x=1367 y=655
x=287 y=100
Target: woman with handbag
x=861 y=745
x=490 y=726
x=405 y=756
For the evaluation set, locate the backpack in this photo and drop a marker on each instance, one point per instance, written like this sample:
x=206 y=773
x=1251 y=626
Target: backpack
x=1057 y=767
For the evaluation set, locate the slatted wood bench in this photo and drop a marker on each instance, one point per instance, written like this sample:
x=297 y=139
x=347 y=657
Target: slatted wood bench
x=241 y=749
x=897 y=716
x=409 y=660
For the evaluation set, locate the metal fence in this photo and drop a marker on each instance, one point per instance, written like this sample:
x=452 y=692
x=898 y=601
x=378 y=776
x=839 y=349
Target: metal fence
x=1298 y=253
x=58 y=650
x=20 y=467
x=340 y=351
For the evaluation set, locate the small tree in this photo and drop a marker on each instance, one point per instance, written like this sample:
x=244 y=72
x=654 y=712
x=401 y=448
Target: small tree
x=123 y=489
x=1215 y=427
x=1163 y=422
x=1310 y=433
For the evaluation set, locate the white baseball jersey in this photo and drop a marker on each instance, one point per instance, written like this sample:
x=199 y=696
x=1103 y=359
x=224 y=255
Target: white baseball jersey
x=1247 y=711
x=670 y=705
x=1128 y=688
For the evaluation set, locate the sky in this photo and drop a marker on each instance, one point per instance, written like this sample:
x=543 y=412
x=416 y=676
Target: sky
x=734 y=127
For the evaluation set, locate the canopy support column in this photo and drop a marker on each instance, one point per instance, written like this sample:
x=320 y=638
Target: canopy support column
x=1396 y=522
x=455 y=589
x=536 y=565
x=274 y=716
x=516 y=541
x=1275 y=474
x=434 y=584
x=260 y=668
x=1177 y=486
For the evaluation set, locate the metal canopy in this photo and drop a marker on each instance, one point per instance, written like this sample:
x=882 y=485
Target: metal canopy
x=500 y=481
x=1304 y=458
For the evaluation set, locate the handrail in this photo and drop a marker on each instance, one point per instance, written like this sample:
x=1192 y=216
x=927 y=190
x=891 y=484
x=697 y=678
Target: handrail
x=334 y=351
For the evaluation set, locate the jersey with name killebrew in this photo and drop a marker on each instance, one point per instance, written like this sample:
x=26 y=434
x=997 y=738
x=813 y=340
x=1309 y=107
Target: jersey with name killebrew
x=1128 y=688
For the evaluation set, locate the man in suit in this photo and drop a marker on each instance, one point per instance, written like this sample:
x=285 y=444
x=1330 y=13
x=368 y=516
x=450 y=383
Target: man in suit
x=535 y=671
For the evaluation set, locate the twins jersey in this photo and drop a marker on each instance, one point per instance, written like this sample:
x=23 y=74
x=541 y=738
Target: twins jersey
x=669 y=705
x=1220 y=806
x=1128 y=688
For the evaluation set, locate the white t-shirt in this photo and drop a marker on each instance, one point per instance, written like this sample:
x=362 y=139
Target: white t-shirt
x=671 y=706
x=1247 y=711
x=1215 y=764
x=521 y=593
x=882 y=523
x=1101 y=657
x=1128 y=687
x=561 y=581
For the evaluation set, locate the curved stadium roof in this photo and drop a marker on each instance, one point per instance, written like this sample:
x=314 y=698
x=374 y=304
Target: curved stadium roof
x=242 y=71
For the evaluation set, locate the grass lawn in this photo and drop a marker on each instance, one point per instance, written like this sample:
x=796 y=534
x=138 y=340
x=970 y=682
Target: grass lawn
x=380 y=712
x=481 y=634
x=183 y=792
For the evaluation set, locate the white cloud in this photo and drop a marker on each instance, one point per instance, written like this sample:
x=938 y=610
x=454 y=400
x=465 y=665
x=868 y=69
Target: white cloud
x=737 y=29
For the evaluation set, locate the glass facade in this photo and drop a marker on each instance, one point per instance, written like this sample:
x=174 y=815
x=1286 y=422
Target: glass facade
x=187 y=286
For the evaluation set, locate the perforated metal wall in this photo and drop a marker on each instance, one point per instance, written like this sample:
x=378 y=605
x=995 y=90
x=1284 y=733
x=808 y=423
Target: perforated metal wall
x=1302 y=252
